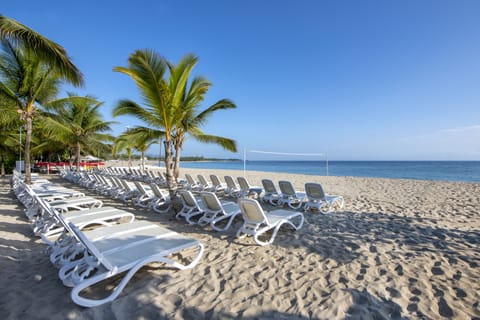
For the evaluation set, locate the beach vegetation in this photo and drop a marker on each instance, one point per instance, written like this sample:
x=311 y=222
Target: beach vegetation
x=77 y=124
x=170 y=105
x=31 y=70
x=27 y=83
x=189 y=97
x=138 y=139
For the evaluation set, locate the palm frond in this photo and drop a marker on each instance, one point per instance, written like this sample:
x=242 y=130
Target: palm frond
x=49 y=51
x=225 y=143
x=202 y=117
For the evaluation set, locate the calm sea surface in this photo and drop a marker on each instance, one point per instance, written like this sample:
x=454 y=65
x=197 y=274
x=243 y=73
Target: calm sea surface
x=467 y=171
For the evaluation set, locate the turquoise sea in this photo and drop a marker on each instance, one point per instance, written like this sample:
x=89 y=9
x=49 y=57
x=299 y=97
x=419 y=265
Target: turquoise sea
x=466 y=171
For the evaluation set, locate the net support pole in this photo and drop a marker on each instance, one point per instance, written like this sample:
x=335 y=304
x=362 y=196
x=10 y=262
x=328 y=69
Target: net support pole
x=326 y=163
x=244 y=162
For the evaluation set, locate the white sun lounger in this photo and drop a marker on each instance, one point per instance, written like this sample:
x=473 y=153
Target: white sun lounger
x=246 y=190
x=318 y=200
x=161 y=203
x=270 y=194
x=129 y=258
x=190 y=206
x=53 y=223
x=257 y=222
x=216 y=212
x=289 y=196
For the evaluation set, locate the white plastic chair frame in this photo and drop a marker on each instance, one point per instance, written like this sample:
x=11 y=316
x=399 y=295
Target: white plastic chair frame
x=216 y=212
x=317 y=199
x=257 y=222
x=128 y=258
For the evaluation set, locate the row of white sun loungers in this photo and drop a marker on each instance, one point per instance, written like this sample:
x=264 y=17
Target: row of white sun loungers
x=200 y=204
x=135 y=192
x=118 y=244
x=203 y=207
x=312 y=198
x=121 y=244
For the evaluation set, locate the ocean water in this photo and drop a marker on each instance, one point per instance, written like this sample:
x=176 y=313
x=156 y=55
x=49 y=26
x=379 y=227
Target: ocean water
x=465 y=171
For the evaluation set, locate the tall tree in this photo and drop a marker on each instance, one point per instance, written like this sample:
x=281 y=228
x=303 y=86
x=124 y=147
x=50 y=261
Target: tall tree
x=138 y=139
x=49 y=58
x=28 y=83
x=167 y=105
x=78 y=123
x=189 y=96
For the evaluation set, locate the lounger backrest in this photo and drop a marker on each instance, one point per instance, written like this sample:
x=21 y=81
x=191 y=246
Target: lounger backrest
x=230 y=182
x=188 y=199
x=156 y=191
x=202 y=180
x=52 y=212
x=314 y=191
x=286 y=188
x=244 y=185
x=252 y=211
x=268 y=186
x=190 y=179
x=211 y=201
x=140 y=187
x=215 y=180
x=126 y=185
x=117 y=182
x=90 y=247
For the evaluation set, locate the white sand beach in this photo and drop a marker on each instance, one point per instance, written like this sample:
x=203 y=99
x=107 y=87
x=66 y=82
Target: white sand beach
x=400 y=249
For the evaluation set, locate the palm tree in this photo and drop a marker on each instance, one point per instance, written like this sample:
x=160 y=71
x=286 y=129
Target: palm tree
x=137 y=138
x=189 y=97
x=50 y=61
x=123 y=144
x=28 y=83
x=48 y=51
x=168 y=107
x=77 y=123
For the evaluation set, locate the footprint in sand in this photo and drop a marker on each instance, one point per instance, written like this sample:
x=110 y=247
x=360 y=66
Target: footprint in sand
x=459 y=293
x=412 y=307
x=415 y=291
x=437 y=271
x=394 y=293
x=444 y=309
x=399 y=269
x=457 y=276
x=437 y=292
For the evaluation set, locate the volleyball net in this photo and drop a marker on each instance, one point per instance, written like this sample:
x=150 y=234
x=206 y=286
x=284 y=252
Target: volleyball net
x=289 y=155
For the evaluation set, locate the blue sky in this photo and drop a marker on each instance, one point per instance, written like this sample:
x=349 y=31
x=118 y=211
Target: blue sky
x=358 y=80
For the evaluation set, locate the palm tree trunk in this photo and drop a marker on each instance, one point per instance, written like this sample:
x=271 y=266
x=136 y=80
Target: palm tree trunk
x=28 y=139
x=176 y=169
x=70 y=159
x=2 y=170
x=169 y=168
x=78 y=157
